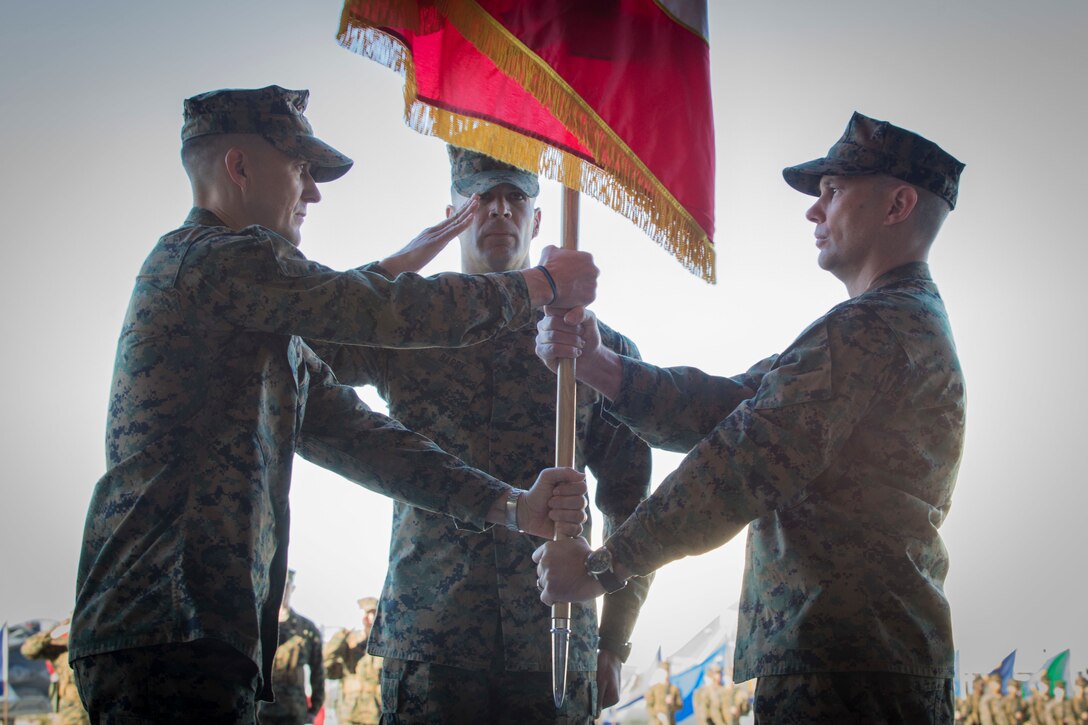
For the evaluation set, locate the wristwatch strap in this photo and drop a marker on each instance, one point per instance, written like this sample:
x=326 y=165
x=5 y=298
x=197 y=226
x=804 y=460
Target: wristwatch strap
x=623 y=651
x=610 y=581
x=512 y=510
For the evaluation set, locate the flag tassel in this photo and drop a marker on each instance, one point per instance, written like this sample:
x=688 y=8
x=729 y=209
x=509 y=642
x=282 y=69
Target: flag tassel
x=628 y=186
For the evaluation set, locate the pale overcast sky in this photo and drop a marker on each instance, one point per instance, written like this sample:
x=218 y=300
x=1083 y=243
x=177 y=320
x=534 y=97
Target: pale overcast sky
x=90 y=111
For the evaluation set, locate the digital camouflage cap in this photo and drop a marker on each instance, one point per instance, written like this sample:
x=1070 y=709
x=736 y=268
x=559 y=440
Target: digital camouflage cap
x=368 y=603
x=869 y=146
x=273 y=113
x=474 y=173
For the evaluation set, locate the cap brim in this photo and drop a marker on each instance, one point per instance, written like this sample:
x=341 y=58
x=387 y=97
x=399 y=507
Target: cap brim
x=326 y=163
x=487 y=180
x=806 y=177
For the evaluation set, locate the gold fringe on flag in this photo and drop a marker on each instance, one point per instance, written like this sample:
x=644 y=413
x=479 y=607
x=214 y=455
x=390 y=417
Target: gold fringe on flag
x=618 y=179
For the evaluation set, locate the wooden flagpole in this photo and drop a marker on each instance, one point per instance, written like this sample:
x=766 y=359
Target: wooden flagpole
x=564 y=457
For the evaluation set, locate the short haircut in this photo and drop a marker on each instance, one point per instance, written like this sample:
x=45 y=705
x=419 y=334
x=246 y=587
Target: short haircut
x=929 y=213
x=201 y=154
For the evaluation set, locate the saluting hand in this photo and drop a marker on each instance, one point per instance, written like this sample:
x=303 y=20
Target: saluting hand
x=420 y=251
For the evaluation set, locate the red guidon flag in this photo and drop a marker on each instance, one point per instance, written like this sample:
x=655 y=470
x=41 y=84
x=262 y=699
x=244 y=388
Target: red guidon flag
x=610 y=97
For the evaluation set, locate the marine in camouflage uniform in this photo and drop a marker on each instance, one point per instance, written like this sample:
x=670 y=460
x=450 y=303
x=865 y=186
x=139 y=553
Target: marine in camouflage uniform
x=1010 y=709
x=1059 y=711
x=990 y=700
x=299 y=648
x=1037 y=706
x=713 y=701
x=1080 y=700
x=44 y=646
x=840 y=454
x=359 y=672
x=967 y=707
x=663 y=700
x=493 y=405
x=214 y=392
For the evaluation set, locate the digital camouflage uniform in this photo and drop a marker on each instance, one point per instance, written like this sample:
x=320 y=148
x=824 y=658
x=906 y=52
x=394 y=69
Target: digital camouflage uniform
x=359 y=673
x=967 y=707
x=713 y=704
x=991 y=698
x=300 y=647
x=42 y=646
x=663 y=701
x=1080 y=700
x=841 y=453
x=214 y=392
x=458 y=597
x=1037 y=703
x=1059 y=710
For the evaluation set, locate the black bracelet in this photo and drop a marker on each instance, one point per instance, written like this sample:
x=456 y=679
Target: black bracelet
x=551 y=283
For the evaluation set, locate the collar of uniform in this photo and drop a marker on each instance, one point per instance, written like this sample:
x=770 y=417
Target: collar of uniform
x=910 y=270
x=203 y=218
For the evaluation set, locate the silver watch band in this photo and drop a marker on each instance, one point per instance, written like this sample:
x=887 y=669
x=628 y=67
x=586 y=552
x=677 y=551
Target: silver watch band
x=512 y=510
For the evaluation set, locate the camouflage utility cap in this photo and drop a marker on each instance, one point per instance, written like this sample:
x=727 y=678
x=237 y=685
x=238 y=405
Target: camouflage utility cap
x=869 y=146
x=474 y=173
x=368 y=603
x=273 y=113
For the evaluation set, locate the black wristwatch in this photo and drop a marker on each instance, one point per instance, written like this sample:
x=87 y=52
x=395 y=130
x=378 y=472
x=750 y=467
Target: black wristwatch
x=623 y=651
x=599 y=566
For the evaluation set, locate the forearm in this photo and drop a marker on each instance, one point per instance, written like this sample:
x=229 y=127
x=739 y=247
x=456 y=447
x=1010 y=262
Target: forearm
x=619 y=614
x=341 y=434
x=603 y=371
x=674 y=408
x=412 y=470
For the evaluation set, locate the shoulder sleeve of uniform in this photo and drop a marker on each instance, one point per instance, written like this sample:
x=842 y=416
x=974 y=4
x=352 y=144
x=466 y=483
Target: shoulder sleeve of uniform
x=258 y=281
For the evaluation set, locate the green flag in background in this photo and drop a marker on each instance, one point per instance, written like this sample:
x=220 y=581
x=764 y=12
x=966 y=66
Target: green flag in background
x=1055 y=673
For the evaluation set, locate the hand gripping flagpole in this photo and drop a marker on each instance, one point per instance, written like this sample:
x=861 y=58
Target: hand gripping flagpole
x=564 y=457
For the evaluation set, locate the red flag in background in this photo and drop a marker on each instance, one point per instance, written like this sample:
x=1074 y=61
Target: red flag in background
x=610 y=97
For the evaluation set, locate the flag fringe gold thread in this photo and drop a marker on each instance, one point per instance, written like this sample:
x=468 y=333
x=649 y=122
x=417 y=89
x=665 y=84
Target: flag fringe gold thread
x=627 y=186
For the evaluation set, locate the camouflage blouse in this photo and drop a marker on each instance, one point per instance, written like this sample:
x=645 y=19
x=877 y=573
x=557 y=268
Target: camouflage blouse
x=461 y=597
x=214 y=392
x=841 y=453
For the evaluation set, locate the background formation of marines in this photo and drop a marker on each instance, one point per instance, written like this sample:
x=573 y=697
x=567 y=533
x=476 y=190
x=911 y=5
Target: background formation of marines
x=987 y=702
x=718 y=701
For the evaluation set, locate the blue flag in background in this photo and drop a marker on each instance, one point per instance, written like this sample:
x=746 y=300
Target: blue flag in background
x=691 y=679
x=1005 y=670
